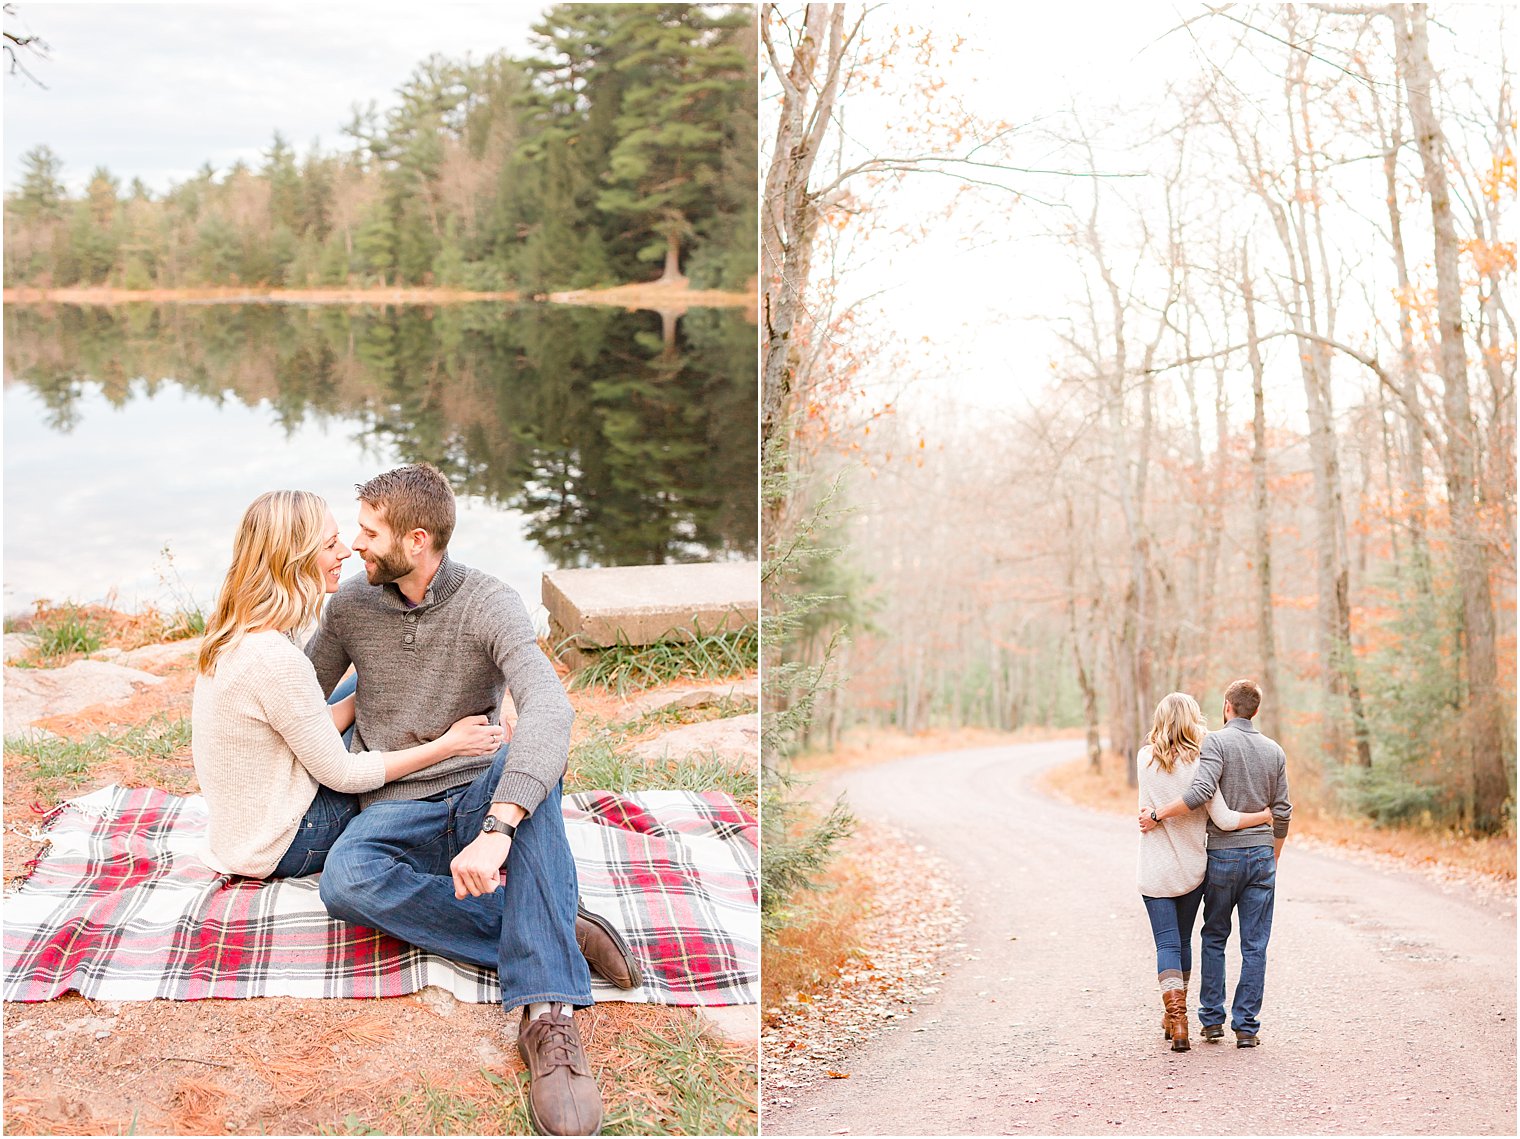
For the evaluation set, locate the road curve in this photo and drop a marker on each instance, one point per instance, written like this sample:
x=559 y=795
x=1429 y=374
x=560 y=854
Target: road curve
x=1390 y=1001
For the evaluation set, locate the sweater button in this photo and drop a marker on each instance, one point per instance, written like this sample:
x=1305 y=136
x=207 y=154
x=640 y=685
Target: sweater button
x=407 y=638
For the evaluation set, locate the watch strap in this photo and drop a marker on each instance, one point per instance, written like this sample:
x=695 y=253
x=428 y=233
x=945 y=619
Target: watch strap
x=493 y=825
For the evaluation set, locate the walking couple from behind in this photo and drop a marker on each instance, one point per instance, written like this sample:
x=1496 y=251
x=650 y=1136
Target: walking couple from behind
x=1214 y=814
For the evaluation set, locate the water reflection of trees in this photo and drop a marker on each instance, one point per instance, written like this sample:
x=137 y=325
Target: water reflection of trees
x=616 y=448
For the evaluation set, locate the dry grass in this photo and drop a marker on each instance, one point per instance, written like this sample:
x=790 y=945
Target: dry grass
x=111 y=627
x=1492 y=856
x=807 y=955
x=861 y=747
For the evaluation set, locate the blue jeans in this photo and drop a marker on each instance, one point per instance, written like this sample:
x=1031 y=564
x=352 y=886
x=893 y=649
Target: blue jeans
x=390 y=871
x=1172 y=927
x=1243 y=880
x=324 y=820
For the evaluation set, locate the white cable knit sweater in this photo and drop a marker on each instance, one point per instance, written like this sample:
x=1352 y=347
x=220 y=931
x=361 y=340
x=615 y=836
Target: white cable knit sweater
x=1174 y=856
x=263 y=740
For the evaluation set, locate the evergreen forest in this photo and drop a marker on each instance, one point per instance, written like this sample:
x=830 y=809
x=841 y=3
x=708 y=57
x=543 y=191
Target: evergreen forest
x=621 y=148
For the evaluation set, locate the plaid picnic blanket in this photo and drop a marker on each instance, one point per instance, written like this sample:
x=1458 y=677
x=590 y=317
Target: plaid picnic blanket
x=121 y=908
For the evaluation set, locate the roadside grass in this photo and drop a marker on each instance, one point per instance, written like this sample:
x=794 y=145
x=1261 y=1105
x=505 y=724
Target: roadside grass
x=600 y=764
x=676 y=1079
x=707 y=656
x=1492 y=855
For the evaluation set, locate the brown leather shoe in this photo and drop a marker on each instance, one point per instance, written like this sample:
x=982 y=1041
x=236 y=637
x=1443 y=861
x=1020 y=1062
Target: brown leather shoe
x=563 y=1098
x=605 y=950
x=1176 y=1008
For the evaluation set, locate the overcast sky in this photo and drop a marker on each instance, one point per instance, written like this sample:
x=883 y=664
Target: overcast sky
x=155 y=90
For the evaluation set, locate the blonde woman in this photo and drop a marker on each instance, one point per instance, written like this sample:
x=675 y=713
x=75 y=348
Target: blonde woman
x=278 y=779
x=1174 y=856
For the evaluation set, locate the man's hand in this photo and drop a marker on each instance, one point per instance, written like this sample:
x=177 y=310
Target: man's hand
x=1170 y=811
x=478 y=868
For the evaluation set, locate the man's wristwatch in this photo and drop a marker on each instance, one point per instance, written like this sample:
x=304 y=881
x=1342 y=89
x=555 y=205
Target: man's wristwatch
x=493 y=825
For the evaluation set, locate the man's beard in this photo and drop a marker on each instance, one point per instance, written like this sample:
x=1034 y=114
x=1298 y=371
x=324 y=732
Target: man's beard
x=387 y=567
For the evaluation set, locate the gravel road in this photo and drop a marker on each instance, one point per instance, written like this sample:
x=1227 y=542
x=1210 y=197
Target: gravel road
x=1390 y=1001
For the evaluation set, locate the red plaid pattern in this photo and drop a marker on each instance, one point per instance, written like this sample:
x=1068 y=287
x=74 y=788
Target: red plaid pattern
x=122 y=908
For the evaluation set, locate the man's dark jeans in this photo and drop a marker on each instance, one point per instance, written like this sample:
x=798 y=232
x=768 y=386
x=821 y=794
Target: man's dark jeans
x=1240 y=880
x=389 y=870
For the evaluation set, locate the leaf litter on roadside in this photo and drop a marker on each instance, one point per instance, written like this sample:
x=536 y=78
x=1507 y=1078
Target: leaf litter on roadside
x=911 y=926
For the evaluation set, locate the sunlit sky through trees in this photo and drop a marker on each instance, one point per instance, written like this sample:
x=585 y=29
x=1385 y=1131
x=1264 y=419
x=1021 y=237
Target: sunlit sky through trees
x=980 y=294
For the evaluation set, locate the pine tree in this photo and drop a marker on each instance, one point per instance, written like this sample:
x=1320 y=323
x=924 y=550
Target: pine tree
x=686 y=77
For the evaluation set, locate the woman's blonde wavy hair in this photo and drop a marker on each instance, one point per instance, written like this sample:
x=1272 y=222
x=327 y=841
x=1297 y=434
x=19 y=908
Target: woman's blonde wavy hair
x=273 y=581
x=1177 y=731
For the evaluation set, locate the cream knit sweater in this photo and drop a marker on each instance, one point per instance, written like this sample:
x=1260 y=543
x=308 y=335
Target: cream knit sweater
x=263 y=740
x=1174 y=856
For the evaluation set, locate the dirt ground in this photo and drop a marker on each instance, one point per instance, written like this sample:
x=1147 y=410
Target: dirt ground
x=422 y=1063
x=282 y=1066
x=1390 y=1005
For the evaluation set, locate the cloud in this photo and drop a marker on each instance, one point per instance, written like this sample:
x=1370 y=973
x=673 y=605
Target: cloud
x=155 y=90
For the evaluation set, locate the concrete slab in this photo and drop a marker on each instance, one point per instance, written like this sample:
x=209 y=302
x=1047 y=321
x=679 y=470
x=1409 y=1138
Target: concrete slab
x=734 y=740
x=691 y=696
x=640 y=605
x=33 y=693
x=739 y=1024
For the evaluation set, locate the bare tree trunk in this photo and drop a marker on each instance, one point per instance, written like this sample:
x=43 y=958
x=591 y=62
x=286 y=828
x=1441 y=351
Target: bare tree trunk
x=1486 y=737
x=672 y=270
x=788 y=210
x=1414 y=448
x=1333 y=627
x=1271 y=714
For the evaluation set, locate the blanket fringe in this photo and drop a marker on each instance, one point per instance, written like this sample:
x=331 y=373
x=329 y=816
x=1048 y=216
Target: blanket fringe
x=38 y=834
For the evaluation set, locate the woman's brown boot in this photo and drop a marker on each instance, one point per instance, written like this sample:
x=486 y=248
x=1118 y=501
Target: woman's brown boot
x=1176 y=1011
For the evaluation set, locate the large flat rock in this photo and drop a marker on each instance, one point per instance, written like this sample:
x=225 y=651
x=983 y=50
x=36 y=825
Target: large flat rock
x=692 y=696
x=640 y=605
x=35 y=693
x=19 y=644
x=163 y=656
x=734 y=740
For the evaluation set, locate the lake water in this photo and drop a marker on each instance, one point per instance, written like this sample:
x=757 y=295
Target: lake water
x=574 y=436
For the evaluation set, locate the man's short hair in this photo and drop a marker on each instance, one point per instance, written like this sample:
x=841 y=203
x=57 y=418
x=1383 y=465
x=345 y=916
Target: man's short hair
x=411 y=498
x=1244 y=696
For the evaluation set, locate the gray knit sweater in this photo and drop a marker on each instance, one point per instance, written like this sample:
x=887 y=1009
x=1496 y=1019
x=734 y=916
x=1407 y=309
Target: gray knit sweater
x=422 y=668
x=1251 y=772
